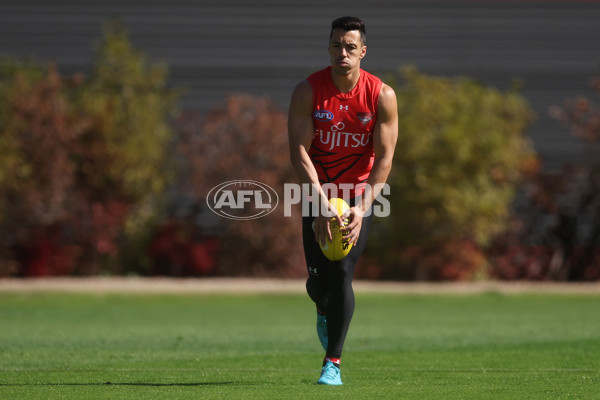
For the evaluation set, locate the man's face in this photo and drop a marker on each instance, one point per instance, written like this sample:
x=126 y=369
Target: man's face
x=345 y=51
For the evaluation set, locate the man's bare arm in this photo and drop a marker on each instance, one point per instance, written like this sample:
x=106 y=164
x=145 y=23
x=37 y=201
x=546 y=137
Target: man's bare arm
x=385 y=136
x=300 y=135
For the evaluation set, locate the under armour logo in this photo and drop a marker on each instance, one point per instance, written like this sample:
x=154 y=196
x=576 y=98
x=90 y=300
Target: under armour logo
x=313 y=271
x=343 y=108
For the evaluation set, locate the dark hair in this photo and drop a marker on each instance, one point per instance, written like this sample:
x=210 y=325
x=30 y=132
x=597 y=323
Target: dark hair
x=350 y=24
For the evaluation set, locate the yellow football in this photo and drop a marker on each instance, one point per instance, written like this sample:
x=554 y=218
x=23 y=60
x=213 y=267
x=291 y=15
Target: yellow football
x=340 y=247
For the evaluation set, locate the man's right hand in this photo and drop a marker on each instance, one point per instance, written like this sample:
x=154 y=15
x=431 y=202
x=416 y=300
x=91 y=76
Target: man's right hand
x=322 y=226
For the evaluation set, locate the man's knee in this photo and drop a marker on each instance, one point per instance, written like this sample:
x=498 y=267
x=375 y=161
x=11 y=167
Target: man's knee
x=318 y=291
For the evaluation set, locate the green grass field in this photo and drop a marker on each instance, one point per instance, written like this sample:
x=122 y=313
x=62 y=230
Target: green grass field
x=143 y=346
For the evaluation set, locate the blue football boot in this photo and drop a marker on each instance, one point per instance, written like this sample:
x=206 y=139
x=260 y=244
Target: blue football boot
x=330 y=375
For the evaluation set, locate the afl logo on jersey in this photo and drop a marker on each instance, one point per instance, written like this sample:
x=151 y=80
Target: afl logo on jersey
x=323 y=115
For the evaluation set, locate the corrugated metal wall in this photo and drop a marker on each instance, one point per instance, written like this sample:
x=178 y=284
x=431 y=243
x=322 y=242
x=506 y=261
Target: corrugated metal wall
x=264 y=47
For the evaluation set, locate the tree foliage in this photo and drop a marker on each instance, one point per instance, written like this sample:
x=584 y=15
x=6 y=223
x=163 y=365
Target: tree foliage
x=81 y=159
x=130 y=105
x=557 y=234
x=245 y=138
x=461 y=153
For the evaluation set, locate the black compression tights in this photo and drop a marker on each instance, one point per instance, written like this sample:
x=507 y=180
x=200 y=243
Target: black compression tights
x=329 y=284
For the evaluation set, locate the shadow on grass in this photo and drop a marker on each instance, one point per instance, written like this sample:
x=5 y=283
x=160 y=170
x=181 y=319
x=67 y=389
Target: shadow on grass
x=128 y=384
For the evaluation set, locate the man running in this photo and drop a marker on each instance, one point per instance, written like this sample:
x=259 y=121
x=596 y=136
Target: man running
x=342 y=127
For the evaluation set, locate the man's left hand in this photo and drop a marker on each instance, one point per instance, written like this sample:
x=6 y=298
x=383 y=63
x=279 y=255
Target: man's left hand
x=352 y=230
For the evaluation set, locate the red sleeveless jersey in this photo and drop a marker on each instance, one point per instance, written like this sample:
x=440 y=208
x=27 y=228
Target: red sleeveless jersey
x=342 y=146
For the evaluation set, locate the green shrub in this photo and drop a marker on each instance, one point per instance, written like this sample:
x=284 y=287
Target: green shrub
x=83 y=162
x=461 y=153
x=557 y=235
x=244 y=138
